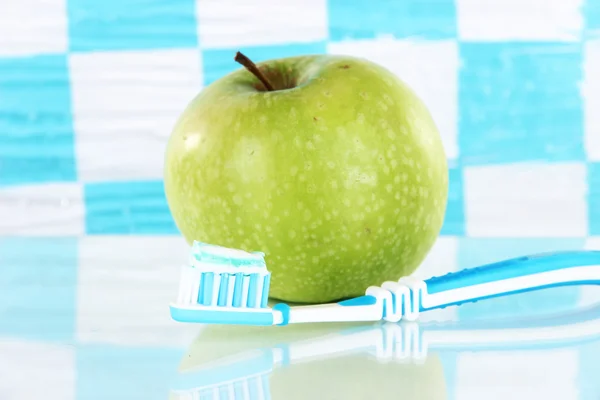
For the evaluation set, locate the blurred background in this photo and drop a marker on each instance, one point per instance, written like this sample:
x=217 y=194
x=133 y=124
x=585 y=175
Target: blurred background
x=89 y=92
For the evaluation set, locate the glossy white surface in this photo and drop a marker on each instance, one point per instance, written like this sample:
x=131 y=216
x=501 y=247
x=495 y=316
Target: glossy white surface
x=87 y=318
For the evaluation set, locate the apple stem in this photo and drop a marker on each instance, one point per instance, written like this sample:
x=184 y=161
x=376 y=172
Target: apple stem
x=250 y=66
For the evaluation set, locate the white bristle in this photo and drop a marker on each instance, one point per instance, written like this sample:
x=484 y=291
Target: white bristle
x=185 y=285
x=189 y=287
x=231 y=391
x=182 y=281
x=260 y=388
x=230 y=290
x=245 y=390
x=215 y=393
x=195 y=282
x=266 y=388
x=259 y=289
x=245 y=287
x=216 y=285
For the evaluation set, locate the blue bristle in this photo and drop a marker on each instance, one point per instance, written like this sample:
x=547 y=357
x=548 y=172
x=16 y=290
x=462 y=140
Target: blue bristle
x=200 y=297
x=253 y=388
x=265 y=293
x=208 y=287
x=223 y=392
x=238 y=289
x=238 y=390
x=252 y=290
x=223 y=286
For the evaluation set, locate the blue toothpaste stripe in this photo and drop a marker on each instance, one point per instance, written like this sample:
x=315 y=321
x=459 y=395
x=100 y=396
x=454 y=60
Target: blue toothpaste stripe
x=265 y=292
x=238 y=289
x=200 y=297
x=266 y=389
x=208 y=287
x=223 y=289
x=253 y=388
x=238 y=390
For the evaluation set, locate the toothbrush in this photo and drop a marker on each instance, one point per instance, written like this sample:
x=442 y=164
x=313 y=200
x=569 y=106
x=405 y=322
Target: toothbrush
x=229 y=286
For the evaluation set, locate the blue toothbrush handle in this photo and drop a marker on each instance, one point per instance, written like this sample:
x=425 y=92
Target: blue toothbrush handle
x=519 y=275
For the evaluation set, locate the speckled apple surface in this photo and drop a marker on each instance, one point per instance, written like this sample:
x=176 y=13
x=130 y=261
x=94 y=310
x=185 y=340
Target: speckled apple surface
x=339 y=175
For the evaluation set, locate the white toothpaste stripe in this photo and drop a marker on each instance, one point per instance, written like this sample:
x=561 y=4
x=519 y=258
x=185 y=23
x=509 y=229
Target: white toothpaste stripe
x=259 y=287
x=216 y=285
x=265 y=385
x=259 y=388
x=245 y=291
x=245 y=390
x=230 y=291
x=191 y=286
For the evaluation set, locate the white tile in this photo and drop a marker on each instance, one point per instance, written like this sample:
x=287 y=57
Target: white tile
x=54 y=209
x=592 y=243
x=125 y=106
x=516 y=375
x=32 y=371
x=519 y=20
x=428 y=67
x=30 y=27
x=442 y=258
x=125 y=285
x=591 y=98
x=229 y=23
x=526 y=200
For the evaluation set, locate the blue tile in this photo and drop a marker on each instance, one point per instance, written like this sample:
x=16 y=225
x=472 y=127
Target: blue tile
x=594 y=198
x=219 y=62
x=520 y=102
x=454 y=222
x=125 y=372
x=38 y=277
x=138 y=207
x=473 y=252
x=36 y=124
x=449 y=361
x=588 y=383
x=361 y=19
x=131 y=24
x=591 y=11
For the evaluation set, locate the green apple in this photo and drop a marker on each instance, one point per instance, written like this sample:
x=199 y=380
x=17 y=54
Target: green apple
x=338 y=174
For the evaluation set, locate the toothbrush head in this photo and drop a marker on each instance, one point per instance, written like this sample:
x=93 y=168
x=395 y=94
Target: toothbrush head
x=223 y=285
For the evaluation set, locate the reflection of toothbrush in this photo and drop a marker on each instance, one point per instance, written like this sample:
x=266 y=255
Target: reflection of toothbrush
x=245 y=375
x=226 y=286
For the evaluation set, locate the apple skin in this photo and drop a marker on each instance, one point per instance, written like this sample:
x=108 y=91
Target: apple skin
x=339 y=177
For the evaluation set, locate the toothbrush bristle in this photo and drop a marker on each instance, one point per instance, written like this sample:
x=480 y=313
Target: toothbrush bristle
x=252 y=387
x=227 y=281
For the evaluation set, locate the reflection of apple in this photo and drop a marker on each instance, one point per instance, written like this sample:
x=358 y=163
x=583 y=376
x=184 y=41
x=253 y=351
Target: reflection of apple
x=338 y=174
x=356 y=376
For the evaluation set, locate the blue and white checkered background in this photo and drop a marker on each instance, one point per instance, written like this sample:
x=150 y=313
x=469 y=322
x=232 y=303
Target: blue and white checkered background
x=89 y=92
x=90 y=89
